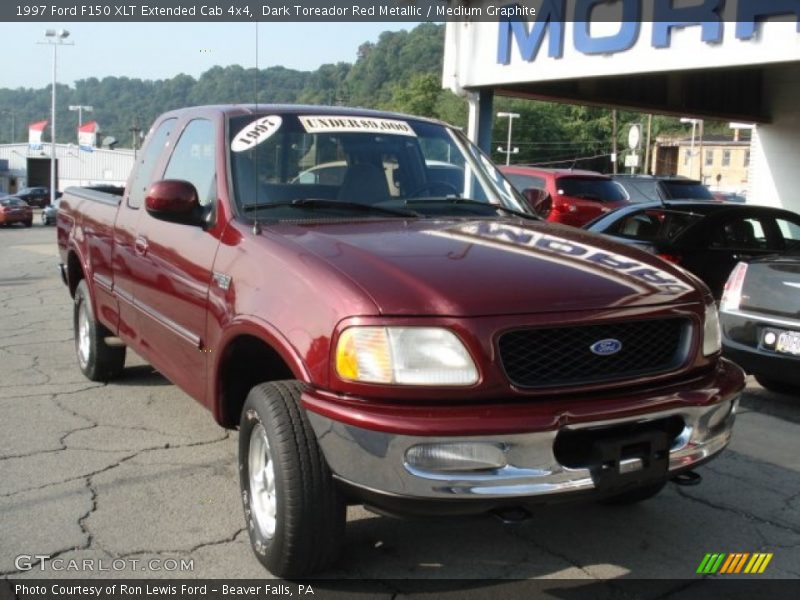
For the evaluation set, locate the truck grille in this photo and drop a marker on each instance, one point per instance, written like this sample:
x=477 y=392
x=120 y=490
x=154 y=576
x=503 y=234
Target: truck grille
x=543 y=357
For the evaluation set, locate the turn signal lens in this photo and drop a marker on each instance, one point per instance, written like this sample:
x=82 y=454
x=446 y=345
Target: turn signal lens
x=404 y=355
x=363 y=355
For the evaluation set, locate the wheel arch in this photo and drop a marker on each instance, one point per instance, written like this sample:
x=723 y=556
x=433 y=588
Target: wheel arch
x=75 y=271
x=250 y=355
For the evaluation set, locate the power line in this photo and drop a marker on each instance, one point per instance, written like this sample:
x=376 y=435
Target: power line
x=571 y=159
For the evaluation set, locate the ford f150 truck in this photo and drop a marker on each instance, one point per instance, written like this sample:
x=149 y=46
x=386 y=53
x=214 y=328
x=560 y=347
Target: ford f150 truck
x=387 y=323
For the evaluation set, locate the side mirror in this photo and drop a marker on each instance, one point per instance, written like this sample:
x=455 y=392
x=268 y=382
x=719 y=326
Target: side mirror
x=175 y=201
x=539 y=201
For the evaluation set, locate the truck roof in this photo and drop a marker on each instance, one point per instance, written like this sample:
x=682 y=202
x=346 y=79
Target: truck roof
x=251 y=108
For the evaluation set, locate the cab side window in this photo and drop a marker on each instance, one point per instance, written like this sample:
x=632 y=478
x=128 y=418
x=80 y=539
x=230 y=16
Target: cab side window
x=144 y=174
x=193 y=160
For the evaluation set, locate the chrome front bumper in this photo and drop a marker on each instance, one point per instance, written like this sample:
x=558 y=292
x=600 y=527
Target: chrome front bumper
x=376 y=461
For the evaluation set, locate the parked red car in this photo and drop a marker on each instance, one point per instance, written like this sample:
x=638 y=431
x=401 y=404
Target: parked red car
x=577 y=196
x=13 y=210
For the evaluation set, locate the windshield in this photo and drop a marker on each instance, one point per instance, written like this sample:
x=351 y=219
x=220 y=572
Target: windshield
x=303 y=166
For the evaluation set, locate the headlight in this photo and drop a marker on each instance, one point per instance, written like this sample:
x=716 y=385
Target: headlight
x=404 y=355
x=712 y=337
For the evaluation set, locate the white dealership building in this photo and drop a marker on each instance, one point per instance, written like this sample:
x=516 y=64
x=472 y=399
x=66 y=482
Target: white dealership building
x=737 y=60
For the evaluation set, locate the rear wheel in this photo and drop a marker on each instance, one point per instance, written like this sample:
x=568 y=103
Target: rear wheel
x=294 y=514
x=633 y=496
x=29 y=222
x=97 y=360
x=777 y=386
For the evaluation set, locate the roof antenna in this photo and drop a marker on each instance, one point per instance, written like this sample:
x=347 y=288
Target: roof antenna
x=256 y=225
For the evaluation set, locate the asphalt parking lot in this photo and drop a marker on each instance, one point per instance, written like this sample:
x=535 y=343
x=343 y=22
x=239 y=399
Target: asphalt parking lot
x=136 y=470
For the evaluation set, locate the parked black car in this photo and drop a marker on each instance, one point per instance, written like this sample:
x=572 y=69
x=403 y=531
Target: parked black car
x=706 y=238
x=35 y=196
x=649 y=188
x=760 y=319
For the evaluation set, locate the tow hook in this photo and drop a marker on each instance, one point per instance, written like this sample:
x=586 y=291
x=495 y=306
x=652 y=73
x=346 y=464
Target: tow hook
x=512 y=515
x=687 y=479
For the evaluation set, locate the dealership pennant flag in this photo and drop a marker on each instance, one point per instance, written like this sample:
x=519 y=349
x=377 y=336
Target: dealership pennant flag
x=35 y=134
x=87 y=136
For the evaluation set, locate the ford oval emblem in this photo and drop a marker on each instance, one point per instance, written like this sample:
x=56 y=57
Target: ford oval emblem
x=606 y=347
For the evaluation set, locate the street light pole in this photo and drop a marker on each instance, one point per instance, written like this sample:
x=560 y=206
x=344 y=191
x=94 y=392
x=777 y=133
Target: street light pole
x=694 y=123
x=508 y=151
x=80 y=108
x=59 y=35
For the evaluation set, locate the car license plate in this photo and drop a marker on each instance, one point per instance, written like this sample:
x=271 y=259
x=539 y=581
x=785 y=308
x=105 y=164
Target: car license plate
x=788 y=343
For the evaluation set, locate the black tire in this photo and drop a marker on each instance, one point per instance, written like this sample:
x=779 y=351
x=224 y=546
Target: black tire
x=97 y=360
x=777 y=386
x=28 y=223
x=634 y=496
x=307 y=529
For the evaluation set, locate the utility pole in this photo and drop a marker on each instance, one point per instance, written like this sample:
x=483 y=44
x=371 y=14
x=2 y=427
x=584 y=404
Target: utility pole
x=702 y=158
x=647 y=147
x=614 y=141
x=135 y=131
x=508 y=149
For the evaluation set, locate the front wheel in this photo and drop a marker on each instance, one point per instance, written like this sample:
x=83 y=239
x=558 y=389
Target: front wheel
x=97 y=360
x=294 y=514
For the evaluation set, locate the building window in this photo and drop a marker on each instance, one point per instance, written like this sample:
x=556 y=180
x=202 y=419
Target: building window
x=726 y=158
x=747 y=158
x=709 y=158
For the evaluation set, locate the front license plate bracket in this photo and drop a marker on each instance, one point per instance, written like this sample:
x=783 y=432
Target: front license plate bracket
x=639 y=457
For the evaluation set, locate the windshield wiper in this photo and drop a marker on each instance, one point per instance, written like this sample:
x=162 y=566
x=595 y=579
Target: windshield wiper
x=323 y=203
x=470 y=202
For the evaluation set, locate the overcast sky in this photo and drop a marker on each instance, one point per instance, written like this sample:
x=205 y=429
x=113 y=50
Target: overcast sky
x=163 y=50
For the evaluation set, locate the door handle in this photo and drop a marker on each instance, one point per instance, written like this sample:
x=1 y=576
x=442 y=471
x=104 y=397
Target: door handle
x=140 y=246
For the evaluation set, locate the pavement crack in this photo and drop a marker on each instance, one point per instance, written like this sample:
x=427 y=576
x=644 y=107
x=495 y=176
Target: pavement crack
x=746 y=515
x=186 y=551
x=515 y=532
x=82 y=519
x=116 y=464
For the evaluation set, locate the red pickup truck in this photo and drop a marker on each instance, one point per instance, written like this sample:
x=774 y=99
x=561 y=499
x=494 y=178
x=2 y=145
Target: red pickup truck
x=387 y=323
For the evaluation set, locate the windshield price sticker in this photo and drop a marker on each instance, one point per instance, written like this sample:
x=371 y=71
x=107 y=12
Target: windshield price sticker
x=256 y=132
x=335 y=124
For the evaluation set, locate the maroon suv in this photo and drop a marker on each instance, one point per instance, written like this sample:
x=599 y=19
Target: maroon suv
x=577 y=196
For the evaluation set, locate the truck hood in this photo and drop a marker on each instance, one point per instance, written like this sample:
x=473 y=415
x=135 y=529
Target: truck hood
x=490 y=267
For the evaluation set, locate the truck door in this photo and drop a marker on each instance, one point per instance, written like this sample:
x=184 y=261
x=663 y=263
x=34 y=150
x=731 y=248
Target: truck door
x=127 y=264
x=172 y=288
